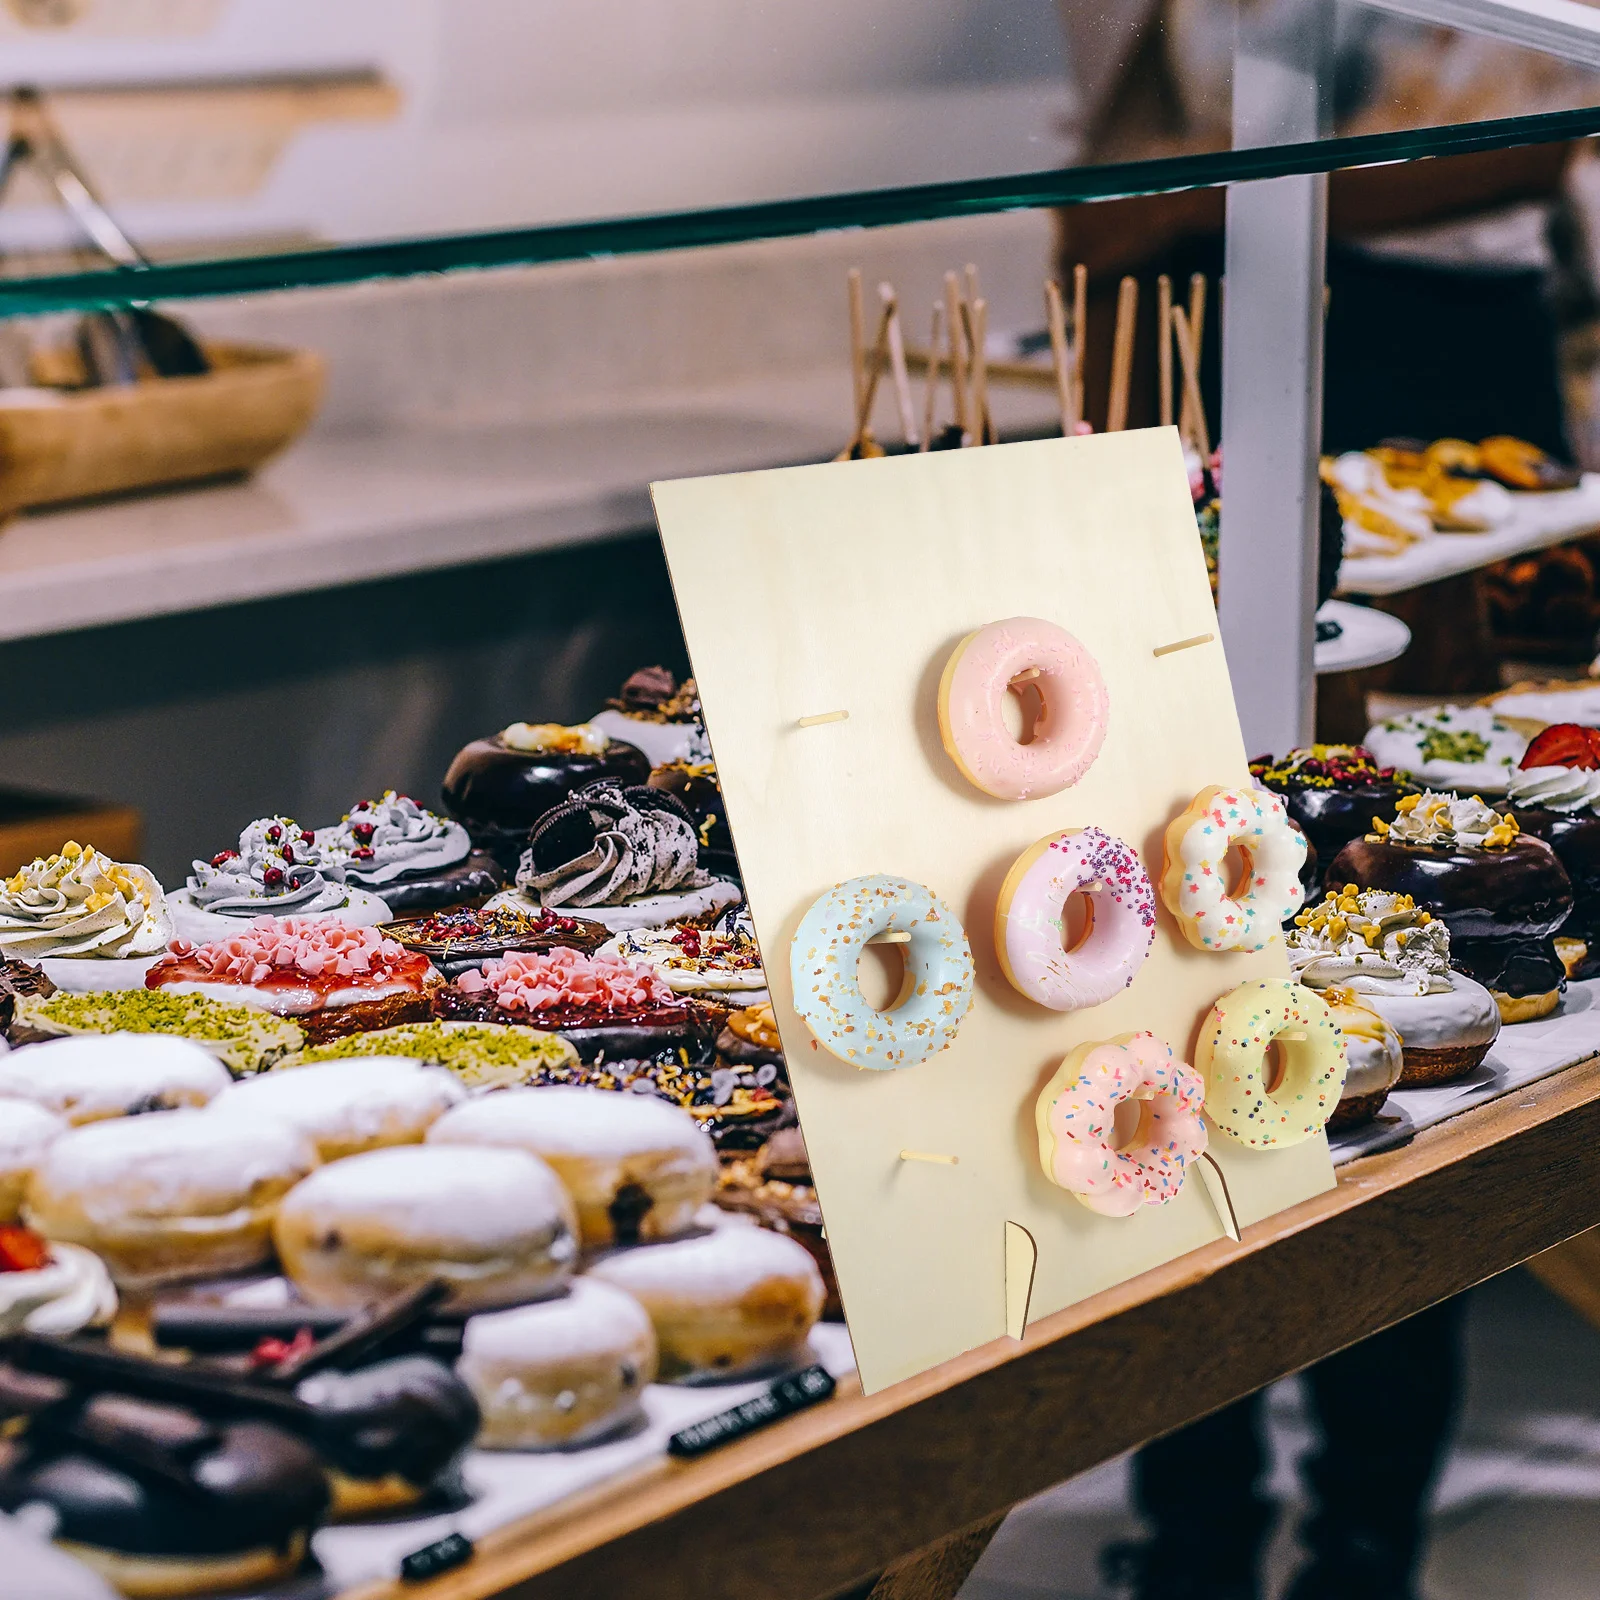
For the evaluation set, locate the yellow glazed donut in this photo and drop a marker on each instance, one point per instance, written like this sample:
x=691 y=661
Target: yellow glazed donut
x=1194 y=874
x=1232 y=1057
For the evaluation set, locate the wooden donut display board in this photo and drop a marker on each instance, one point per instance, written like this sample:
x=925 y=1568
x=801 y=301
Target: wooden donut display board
x=821 y=605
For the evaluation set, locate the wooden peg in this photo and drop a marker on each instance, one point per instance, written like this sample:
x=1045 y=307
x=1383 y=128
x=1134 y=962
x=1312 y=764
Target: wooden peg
x=1027 y=675
x=931 y=1156
x=894 y=936
x=822 y=717
x=1183 y=644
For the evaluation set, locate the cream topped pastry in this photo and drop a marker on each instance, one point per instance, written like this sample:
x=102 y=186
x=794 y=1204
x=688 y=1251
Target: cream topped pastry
x=1373 y=1054
x=51 y=1288
x=391 y=837
x=659 y=716
x=556 y=738
x=723 y=961
x=1563 y=789
x=1371 y=941
x=279 y=868
x=80 y=903
x=626 y=856
x=1451 y=747
x=1453 y=821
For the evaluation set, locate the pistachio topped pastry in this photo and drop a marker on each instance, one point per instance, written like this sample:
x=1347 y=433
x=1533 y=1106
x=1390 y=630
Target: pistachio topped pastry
x=1454 y=821
x=82 y=903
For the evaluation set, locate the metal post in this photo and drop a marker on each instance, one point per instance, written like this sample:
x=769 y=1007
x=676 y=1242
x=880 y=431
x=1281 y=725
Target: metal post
x=1272 y=377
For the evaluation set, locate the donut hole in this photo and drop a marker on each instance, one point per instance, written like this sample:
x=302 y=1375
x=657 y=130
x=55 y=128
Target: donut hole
x=883 y=976
x=1077 y=920
x=1130 y=1123
x=1022 y=710
x=1237 y=871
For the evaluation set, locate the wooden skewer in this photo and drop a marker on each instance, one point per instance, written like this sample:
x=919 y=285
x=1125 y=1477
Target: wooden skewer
x=861 y=441
x=897 y=366
x=930 y=390
x=1187 y=425
x=890 y=938
x=1191 y=382
x=1080 y=336
x=1122 y=356
x=987 y=432
x=1027 y=676
x=1164 y=345
x=858 y=339
x=1056 y=316
x=822 y=717
x=1182 y=644
x=958 y=363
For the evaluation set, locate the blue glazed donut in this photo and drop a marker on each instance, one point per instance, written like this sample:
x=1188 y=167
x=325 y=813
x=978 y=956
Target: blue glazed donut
x=822 y=966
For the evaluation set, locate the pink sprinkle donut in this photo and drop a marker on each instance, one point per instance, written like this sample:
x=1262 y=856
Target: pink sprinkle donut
x=1030 y=926
x=1076 y=1116
x=1069 y=732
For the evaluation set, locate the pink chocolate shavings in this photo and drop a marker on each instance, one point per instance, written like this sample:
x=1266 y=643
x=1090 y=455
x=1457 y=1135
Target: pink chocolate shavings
x=311 y=946
x=565 y=979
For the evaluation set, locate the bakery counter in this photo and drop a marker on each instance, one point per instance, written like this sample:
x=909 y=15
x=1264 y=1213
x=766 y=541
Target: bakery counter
x=782 y=1514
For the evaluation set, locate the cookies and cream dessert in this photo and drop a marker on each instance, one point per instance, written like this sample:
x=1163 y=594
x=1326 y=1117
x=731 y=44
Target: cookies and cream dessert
x=242 y=1038
x=80 y=905
x=1501 y=893
x=49 y=1287
x=330 y=977
x=413 y=858
x=721 y=962
x=496 y=1056
x=279 y=869
x=626 y=857
x=1467 y=748
x=659 y=715
x=1393 y=956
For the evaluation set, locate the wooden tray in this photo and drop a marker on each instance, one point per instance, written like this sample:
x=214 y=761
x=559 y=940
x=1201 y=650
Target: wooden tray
x=77 y=445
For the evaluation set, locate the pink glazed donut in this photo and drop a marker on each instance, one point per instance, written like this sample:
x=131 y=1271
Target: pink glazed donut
x=1068 y=734
x=1029 y=922
x=1076 y=1117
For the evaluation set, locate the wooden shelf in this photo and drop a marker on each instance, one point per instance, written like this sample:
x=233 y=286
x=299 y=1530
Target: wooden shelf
x=835 y=1495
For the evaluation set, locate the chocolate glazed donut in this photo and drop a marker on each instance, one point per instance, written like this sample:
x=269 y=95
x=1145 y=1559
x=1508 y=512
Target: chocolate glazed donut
x=498 y=793
x=1331 y=818
x=1575 y=838
x=1501 y=906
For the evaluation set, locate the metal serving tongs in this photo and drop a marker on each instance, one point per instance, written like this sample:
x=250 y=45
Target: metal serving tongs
x=120 y=344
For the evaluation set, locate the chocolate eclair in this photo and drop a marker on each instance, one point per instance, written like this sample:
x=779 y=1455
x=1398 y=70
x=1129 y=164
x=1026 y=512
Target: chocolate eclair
x=1334 y=792
x=659 y=715
x=499 y=787
x=1500 y=893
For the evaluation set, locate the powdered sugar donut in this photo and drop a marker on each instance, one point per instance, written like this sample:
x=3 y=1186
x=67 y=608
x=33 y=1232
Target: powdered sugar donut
x=1068 y=734
x=27 y=1130
x=1194 y=874
x=939 y=973
x=1030 y=927
x=1076 y=1117
x=93 y=1076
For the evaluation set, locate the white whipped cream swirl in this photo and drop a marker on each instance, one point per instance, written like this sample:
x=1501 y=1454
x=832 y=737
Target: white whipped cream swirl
x=279 y=868
x=1373 y=942
x=71 y=1291
x=390 y=838
x=1566 y=789
x=82 y=903
x=1464 y=822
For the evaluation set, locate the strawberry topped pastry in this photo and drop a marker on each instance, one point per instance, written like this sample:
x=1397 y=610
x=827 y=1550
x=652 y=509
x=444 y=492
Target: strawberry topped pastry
x=1555 y=796
x=601 y=1003
x=333 y=979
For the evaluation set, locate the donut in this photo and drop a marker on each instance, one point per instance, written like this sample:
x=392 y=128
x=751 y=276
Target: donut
x=1373 y=1054
x=494 y=1225
x=345 y=1107
x=27 y=1130
x=179 y=1194
x=1232 y=1057
x=563 y=1372
x=96 y=1076
x=1194 y=884
x=724 y=1303
x=1030 y=925
x=635 y=1167
x=1076 y=1116
x=1070 y=729
x=937 y=993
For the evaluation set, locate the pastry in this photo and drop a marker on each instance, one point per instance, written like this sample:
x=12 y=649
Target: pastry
x=567 y=1371
x=1374 y=1058
x=1379 y=519
x=456 y=940
x=19 y=981
x=627 y=857
x=1501 y=893
x=658 y=715
x=96 y=1077
x=481 y=1057
x=694 y=785
x=725 y=1303
x=1450 y=747
x=750 y=1037
x=1520 y=465
x=496 y=1226
x=721 y=963
x=345 y=1107
x=500 y=786
x=635 y=1167
x=161 y=1502
x=601 y=1004
x=177 y=1194
x=94 y=920
x=27 y=1130
x=1555 y=796
x=1553 y=703
x=49 y=1288
x=243 y=1039
x=1333 y=791
x=333 y=979
x=1394 y=957
x=415 y=860
x=279 y=870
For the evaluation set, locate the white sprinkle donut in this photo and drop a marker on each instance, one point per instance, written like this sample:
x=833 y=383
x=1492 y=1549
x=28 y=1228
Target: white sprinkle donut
x=822 y=966
x=1076 y=1116
x=1232 y=1055
x=1029 y=922
x=1068 y=734
x=1194 y=875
